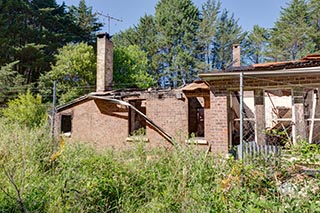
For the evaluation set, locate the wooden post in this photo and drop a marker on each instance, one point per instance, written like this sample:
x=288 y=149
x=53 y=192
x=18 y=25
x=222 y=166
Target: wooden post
x=53 y=115
x=314 y=105
x=260 y=124
x=241 y=117
x=299 y=127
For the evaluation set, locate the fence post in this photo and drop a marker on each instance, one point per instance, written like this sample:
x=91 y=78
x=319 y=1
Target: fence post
x=53 y=109
x=241 y=117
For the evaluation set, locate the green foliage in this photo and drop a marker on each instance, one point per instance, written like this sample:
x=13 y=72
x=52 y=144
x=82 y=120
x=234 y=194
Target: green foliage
x=130 y=68
x=86 y=20
x=306 y=152
x=314 y=14
x=74 y=72
x=256 y=44
x=290 y=37
x=26 y=110
x=140 y=180
x=23 y=152
x=177 y=23
x=10 y=83
x=143 y=35
x=32 y=31
x=228 y=33
x=207 y=31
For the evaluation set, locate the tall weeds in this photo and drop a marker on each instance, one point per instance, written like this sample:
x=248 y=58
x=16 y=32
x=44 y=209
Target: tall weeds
x=140 y=180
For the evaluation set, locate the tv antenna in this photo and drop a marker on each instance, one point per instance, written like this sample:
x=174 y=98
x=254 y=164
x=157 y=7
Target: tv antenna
x=109 y=19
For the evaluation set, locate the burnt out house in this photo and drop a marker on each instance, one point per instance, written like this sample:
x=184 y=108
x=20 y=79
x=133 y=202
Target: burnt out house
x=281 y=105
x=113 y=118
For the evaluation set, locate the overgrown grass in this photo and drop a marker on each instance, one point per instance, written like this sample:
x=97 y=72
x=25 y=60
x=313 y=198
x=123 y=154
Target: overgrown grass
x=183 y=180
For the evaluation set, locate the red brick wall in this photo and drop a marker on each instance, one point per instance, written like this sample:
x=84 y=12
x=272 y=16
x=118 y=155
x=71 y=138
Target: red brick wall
x=170 y=113
x=98 y=122
x=216 y=123
x=106 y=124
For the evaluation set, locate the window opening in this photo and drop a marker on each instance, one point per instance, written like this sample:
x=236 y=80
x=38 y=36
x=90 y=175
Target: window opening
x=66 y=123
x=196 y=116
x=137 y=123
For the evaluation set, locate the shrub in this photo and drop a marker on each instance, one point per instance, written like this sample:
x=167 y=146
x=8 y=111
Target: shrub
x=26 y=110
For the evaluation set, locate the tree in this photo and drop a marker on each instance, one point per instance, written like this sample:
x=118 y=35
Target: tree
x=177 y=23
x=86 y=20
x=130 y=68
x=256 y=44
x=10 y=83
x=32 y=31
x=32 y=61
x=228 y=33
x=144 y=35
x=207 y=31
x=290 y=37
x=314 y=16
x=74 y=72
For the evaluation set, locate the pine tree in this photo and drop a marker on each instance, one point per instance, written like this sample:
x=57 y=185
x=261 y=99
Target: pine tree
x=228 y=33
x=207 y=31
x=177 y=24
x=31 y=31
x=144 y=35
x=256 y=44
x=290 y=37
x=314 y=14
x=86 y=20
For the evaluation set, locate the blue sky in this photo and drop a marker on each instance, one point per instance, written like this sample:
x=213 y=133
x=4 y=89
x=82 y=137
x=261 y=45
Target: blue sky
x=249 y=12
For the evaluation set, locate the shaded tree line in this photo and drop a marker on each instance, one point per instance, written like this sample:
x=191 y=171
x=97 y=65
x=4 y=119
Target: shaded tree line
x=32 y=31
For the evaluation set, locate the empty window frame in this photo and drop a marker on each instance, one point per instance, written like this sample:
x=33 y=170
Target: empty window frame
x=66 y=124
x=196 y=117
x=137 y=123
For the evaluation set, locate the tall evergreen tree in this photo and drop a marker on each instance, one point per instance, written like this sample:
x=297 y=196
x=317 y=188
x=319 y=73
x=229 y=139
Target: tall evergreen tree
x=290 y=37
x=256 y=44
x=87 y=20
x=228 y=33
x=207 y=31
x=177 y=24
x=31 y=31
x=314 y=15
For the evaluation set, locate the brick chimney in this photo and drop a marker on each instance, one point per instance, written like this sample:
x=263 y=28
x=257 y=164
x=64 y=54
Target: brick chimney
x=104 y=62
x=236 y=58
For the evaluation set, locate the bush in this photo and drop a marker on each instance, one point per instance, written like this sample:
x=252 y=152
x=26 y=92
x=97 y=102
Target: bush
x=26 y=110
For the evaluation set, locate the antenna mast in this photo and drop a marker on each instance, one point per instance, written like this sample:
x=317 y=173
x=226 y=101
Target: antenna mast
x=109 y=19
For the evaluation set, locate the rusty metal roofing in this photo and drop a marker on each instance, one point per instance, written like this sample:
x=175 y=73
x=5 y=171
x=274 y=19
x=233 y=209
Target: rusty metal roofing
x=308 y=61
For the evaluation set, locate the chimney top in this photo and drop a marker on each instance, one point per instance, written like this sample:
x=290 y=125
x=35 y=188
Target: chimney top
x=236 y=57
x=103 y=34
